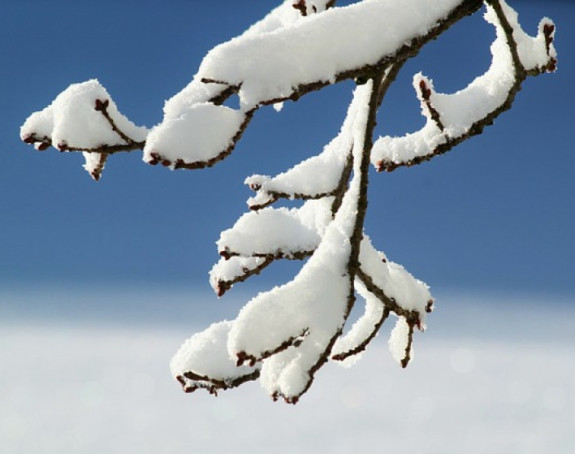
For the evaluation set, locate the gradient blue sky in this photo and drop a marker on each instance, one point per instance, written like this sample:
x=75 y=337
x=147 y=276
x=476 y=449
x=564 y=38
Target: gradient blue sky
x=497 y=213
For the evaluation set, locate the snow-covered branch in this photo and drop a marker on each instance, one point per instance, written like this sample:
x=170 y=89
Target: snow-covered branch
x=228 y=272
x=330 y=45
x=84 y=118
x=364 y=330
x=214 y=370
x=292 y=330
x=282 y=337
x=454 y=118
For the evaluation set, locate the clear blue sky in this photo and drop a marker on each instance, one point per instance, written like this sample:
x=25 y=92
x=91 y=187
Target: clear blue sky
x=496 y=213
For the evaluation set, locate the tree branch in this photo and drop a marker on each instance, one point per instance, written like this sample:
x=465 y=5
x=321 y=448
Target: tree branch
x=363 y=345
x=443 y=139
x=158 y=158
x=102 y=106
x=362 y=167
x=221 y=286
x=389 y=303
x=191 y=381
x=295 y=341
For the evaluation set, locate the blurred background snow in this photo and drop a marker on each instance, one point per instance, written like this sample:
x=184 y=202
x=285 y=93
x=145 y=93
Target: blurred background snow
x=89 y=373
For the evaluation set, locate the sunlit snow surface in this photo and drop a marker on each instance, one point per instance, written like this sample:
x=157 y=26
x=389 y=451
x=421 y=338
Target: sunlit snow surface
x=87 y=372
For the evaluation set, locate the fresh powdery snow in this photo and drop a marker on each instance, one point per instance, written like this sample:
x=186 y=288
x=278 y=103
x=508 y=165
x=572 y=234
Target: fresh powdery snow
x=459 y=111
x=206 y=353
x=397 y=283
x=363 y=328
x=291 y=330
x=533 y=52
x=199 y=134
x=293 y=327
x=94 y=162
x=71 y=120
x=231 y=268
x=269 y=63
x=398 y=340
x=284 y=15
x=314 y=177
x=275 y=231
x=323 y=46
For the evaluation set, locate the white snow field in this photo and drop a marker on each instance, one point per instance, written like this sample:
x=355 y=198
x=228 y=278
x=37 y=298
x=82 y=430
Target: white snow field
x=87 y=372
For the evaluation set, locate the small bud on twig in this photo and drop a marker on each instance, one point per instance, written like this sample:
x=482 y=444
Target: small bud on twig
x=425 y=90
x=548 y=31
x=243 y=357
x=101 y=105
x=62 y=146
x=301 y=7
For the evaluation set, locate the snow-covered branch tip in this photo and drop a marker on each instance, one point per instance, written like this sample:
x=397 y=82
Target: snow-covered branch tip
x=454 y=118
x=84 y=118
x=282 y=337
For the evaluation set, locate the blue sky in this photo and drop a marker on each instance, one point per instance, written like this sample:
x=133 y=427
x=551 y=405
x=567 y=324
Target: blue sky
x=497 y=213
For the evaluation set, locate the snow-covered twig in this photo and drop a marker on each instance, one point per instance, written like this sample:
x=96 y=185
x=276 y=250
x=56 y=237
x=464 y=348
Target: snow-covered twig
x=454 y=118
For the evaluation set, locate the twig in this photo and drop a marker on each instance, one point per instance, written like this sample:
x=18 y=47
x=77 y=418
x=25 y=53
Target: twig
x=477 y=127
x=363 y=345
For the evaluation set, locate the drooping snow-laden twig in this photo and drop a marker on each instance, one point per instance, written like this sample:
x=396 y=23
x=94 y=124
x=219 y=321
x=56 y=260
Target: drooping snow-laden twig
x=285 y=335
x=515 y=56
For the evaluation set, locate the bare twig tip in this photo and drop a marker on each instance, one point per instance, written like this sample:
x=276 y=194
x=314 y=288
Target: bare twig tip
x=425 y=90
x=62 y=146
x=101 y=105
x=301 y=7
